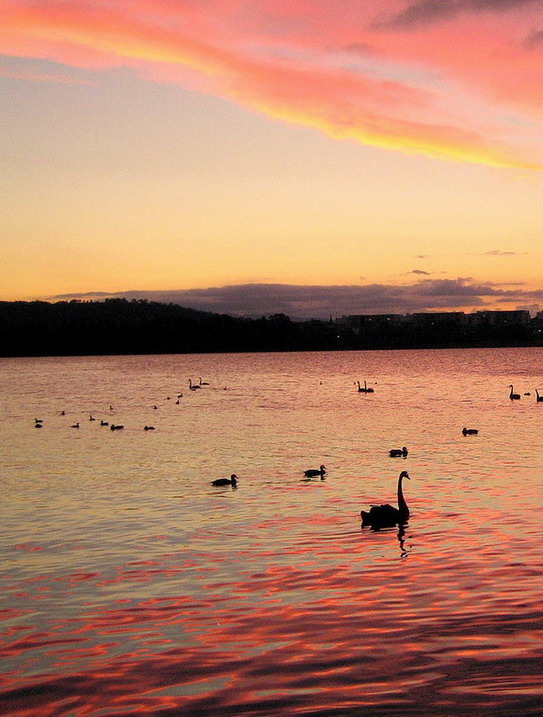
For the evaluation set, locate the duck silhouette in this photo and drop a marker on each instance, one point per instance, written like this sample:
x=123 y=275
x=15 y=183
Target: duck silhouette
x=398 y=452
x=233 y=481
x=538 y=398
x=386 y=516
x=312 y=472
x=470 y=431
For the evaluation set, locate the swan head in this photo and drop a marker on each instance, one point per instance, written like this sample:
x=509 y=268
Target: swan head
x=404 y=474
x=323 y=468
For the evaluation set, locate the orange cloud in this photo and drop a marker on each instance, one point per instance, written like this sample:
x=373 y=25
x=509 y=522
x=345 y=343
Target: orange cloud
x=462 y=85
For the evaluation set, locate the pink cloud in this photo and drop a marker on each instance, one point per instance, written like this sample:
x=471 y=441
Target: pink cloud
x=455 y=84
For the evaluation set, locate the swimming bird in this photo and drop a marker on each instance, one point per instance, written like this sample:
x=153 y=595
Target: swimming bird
x=116 y=427
x=513 y=396
x=538 y=398
x=398 y=452
x=148 y=428
x=193 y=386
x=38 y=424
x=233 y=480
x=312 y=472
x=76 y=425
x=365 y=389
x=104 y=423
x=203 y=383
x=470 y=431
x=386 y=516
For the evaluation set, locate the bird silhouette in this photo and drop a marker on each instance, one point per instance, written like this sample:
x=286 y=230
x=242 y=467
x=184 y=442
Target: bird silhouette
x=233 y=481
x=538 y=398
x=365 y=389
x=386 y=516
x=513 y=396
x=193 y=386
x=312 y=472
x=398 y=452
x=470 y=431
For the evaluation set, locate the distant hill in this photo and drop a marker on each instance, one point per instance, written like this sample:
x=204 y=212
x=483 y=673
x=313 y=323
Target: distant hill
x=120 y=326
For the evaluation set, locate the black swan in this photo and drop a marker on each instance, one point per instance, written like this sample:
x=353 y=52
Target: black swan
x=386 y=516
x=193 y=386
x=148 y=428
x=538 y=398
x=365 y=389
x=76 y=425
x=398 y=452
x=470 y=431
x=513 y=396
x=203 y=383
x=233 y=480
x=312 y=472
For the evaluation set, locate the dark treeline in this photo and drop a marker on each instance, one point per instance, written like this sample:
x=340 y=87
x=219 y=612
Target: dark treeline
x=119 y=326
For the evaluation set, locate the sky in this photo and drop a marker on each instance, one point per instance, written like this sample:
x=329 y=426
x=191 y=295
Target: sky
x=317 y=158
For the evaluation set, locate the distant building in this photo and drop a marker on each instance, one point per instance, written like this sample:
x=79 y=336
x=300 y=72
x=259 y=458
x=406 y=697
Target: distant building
x=500 y=318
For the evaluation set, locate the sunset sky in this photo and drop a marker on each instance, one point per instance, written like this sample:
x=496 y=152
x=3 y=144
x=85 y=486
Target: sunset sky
x=253 y=156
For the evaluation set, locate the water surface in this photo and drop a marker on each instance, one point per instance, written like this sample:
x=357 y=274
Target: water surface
x=131 y=586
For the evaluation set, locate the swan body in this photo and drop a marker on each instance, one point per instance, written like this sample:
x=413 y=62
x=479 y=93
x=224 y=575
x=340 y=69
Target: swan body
x=513 y=396
x=193 y=386
x=116 y=427
x=365 y=389
x=148 y=428
x=104 y=423
x=398 y=452
x=312 y=472
x=538 y=398
x=470 y=431
x=386 y=516
x=233 y=480
x=203 y=383
x=76 y=425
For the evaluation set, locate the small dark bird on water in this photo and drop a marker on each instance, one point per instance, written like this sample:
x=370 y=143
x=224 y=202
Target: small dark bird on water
x=148 y=428
x=76 y=425
x=538 y=398
x=233 y=481
x=312 y=472
x=386 y=516
x=115 y=427
x=470 y=431
x=104 y=423
x=398 y=452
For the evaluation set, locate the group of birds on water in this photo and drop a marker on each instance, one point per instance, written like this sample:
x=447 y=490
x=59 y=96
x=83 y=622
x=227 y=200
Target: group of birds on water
x=384 y=515
x=379 y=516
x=38 y=422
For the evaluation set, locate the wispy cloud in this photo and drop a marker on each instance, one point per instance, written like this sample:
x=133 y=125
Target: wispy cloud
x=496 y=252
x=348 y=71
x=322 y=301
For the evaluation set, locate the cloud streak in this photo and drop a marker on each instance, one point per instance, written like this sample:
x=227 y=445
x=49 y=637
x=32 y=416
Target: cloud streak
x=347 y=72
x=324 y=301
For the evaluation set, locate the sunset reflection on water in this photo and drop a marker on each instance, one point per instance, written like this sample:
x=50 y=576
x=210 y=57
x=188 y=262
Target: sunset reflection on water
x=130 y=586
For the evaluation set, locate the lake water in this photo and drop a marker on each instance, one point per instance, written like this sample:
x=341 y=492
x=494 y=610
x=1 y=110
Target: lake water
x=131 y=586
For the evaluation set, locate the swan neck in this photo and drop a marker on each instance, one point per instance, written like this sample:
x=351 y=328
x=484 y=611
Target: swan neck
x=402 y=505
